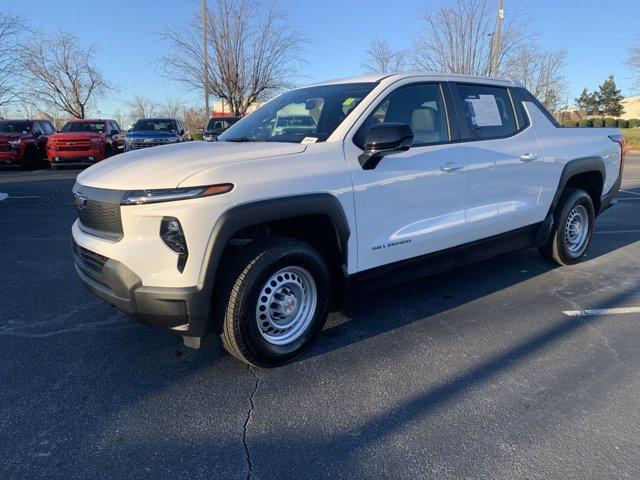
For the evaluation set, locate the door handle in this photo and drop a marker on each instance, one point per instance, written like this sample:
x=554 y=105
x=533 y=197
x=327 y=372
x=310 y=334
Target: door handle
x=528 y=157
x=451 y=167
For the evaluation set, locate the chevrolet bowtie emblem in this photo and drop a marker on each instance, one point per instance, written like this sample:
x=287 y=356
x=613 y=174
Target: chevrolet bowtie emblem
x=80 y=201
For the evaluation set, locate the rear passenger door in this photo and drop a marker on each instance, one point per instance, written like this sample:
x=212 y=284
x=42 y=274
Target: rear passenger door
x=504 y=177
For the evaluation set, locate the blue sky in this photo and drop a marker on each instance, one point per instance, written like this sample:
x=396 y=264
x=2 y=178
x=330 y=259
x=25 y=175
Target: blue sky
x=596 y=34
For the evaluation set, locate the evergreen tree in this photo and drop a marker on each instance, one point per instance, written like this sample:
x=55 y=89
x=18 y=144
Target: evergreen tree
x=610 y=98
x=588 y=101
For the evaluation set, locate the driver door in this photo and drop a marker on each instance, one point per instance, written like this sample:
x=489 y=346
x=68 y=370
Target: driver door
x=412 y=203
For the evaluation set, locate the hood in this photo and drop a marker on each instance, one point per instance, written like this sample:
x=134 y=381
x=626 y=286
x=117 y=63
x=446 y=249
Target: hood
x=169 y=165
x=74 y=136
x=150 y=134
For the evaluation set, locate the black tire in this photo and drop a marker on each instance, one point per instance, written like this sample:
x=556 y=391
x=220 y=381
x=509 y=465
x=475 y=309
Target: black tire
x=557 y=249
x=246 y=275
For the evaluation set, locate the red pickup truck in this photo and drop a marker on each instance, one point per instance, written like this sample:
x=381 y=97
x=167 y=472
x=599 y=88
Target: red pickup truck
x=84 y=142
x=23 y=143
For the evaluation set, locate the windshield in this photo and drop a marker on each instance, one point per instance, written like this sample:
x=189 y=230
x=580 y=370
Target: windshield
x=91 y=127
x=311 y=113
x=221 y=123
x=15 y=127
x=150 y=125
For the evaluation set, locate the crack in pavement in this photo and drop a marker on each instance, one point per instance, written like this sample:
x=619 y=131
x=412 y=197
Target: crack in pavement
x=603 y=338
x=247 y=420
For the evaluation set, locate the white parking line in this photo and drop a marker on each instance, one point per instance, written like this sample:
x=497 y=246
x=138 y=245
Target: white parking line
x=3 y=196
x=603 y=311
x=616 y=231
x=630 y=193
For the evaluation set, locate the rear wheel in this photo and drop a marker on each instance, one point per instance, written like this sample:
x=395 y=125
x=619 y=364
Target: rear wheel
x=275 y=300
x=574 y=219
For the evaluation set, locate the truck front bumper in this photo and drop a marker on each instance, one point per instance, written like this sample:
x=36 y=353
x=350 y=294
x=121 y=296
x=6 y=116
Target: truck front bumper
x=184 y=311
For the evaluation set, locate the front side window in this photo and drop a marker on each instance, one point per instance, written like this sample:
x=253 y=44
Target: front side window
x=419 y=106
x=487 y=112
x=90 y=127
x=310 y=114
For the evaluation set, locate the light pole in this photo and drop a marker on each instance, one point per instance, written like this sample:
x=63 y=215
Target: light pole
x=205 y=55
x=495 y=53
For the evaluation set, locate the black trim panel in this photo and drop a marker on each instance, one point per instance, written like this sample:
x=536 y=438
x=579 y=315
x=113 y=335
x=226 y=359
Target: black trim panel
x=576 y=167
x=438 y=262
x=261 y=211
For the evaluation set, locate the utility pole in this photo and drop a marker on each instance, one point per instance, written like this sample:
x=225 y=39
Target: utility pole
x=205 y=51
x=495 y=53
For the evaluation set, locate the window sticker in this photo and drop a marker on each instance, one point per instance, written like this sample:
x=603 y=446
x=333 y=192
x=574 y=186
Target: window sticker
x=484 y=111
x=307 y=140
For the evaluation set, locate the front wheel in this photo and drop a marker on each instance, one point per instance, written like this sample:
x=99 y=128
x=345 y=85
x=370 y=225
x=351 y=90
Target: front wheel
x=276 y=300
x=573 y=228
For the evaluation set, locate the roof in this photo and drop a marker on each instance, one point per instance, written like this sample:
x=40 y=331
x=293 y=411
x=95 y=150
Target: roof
x=390 y=78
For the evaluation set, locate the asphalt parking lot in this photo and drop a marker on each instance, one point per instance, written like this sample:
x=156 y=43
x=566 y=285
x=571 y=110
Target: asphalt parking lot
x=477 y=373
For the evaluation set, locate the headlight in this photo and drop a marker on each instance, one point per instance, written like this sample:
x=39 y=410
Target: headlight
x=170 y=140
x=15 y=143
x=140 y=197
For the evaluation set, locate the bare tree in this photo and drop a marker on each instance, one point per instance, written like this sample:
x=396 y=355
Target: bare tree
x=380 y=57
x=251 y=57
x=194 y=118
x=141 y=107
x=540 y=71
x=59 y=72
x=171 y=108
x=633 y=60
x=457 y=38
x=11 y=27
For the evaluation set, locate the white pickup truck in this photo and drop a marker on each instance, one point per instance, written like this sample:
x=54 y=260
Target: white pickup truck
x=260 y=234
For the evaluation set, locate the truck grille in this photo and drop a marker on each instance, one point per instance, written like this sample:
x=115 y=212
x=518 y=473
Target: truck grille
x=72 y=145
x=72 y=148
x=100 y=219
x=89 y=260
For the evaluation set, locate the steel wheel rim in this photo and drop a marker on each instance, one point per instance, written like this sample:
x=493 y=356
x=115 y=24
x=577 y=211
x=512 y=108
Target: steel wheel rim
x=286 y=305
x=576 y=229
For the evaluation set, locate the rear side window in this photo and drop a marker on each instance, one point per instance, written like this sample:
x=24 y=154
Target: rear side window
x=527 y=96
x=486 y=112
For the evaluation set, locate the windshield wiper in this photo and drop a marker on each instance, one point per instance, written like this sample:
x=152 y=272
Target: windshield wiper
x=240 y=139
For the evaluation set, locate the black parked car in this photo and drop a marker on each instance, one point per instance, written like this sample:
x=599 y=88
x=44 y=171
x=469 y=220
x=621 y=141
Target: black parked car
x=216 y=126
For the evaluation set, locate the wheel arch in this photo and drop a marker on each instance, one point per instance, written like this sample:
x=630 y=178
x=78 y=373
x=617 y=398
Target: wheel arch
x=588 y=174
x=269 y=211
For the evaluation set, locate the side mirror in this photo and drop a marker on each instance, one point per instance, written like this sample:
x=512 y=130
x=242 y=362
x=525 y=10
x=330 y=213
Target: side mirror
x=181 y=132
x=385 y=139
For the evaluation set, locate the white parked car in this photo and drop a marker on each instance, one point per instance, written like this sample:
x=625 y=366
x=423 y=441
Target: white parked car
x=259 y=234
